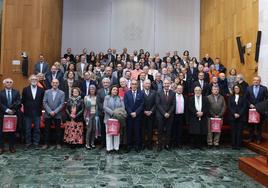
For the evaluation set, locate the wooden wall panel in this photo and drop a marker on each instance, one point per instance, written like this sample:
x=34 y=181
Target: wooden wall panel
x=33 y=26
x=221 y=22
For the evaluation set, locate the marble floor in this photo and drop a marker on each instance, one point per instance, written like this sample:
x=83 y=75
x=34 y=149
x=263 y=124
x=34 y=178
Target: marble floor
x=82 y=168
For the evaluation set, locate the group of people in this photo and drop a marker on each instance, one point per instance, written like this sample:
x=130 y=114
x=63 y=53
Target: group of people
x=82 y=93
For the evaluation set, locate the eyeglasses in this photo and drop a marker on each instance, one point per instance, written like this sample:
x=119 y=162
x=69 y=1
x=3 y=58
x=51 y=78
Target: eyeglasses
x=9 y=82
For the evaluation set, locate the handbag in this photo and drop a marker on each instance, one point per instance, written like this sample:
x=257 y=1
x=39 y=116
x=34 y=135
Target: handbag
x=215 y=125
x=9 y=123
x=253 y=116
x=113 y=127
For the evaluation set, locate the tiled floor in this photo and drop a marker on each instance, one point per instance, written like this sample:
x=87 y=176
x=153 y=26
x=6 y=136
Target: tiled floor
x=82 y=168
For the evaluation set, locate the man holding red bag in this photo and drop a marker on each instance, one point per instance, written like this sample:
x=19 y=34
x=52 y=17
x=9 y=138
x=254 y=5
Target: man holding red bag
x=9 y=105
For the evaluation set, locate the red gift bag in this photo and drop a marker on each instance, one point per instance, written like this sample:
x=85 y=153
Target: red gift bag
x=215 y=125
x=253 y=116
x=10 y=123
x=113 y=127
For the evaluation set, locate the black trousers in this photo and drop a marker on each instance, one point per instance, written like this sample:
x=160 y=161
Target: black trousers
x=103 y=130
x=255 y=128
x=48 y=123
x=197 y=140
x=164 y=130
x=178 y=123
x=147 y=130
x=237 y=129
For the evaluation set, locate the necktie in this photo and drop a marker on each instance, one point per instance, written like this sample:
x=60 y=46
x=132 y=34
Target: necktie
x=147 y=92
x=255 y=91
x=134 y=96
x=9 y=100
x=166 y=95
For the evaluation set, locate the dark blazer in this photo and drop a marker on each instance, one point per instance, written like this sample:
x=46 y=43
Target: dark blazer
x=79 y=110
x=262 y=95
x=37 y=68
x=48 y=80
x=72 y=59
x=244 y=86
x=205 y=89
x=165 y=105
x=15 y=104
x=111 y=57
x=83 y=86
x=65 y=88
x=240 y=108
x=100 y=99
x=137 y=106
x=32 y=107
x=149 y=101
x=150 y=77
x=185 y=87
x=198 y=126
x=192 y=77
x=154 y=85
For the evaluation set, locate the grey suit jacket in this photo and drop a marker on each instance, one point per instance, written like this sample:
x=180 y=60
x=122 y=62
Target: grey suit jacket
x=79 y=69
x=53 y=105
x=216 y=108
x=37 y=68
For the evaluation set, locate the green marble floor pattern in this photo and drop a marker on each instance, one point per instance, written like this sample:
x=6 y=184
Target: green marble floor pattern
x=82 y=168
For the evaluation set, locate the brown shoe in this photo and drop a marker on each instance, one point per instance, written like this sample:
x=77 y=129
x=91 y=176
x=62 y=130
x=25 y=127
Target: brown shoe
x=45 y=147
x=12 y=150
x=1 y=151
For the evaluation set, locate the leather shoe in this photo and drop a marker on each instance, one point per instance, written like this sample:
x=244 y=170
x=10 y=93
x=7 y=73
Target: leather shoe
x=58 y=146
x=1 y=151
x=12 y=150
x=45 y=147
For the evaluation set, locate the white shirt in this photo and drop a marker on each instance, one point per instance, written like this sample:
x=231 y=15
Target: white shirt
x=146 y=92
x=87 y=86
x=82 y=67
x=181 y=104
x=236 y=98
x=41 y=67
x=201 y=83
x=34 y=90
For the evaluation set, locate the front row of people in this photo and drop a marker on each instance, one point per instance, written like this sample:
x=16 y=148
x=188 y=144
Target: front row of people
x=136 y=111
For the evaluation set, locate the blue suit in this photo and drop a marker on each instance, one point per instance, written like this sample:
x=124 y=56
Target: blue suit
x=134 y=124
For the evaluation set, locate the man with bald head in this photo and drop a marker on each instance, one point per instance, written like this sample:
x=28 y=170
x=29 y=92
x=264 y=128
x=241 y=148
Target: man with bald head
x=165 y=104
x=53 y=103
x=9 y=105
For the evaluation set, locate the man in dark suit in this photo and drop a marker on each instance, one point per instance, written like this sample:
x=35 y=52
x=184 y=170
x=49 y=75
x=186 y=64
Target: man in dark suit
x=32 y=100
x=201 y=83
x=200 y=68
x=255 y=94
x=134 y=101
x=219 y=67
x=69 y=54
x=84 y=85
x=125 y=55
x=41 y=66
x=9 y=105
x=157 y=84
x=109 y=56
x=179 y=117
x=165 y=103
x=54 y=73
x=102 y=92
x=192 y=73
x=148 y=116
x=147 y=76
